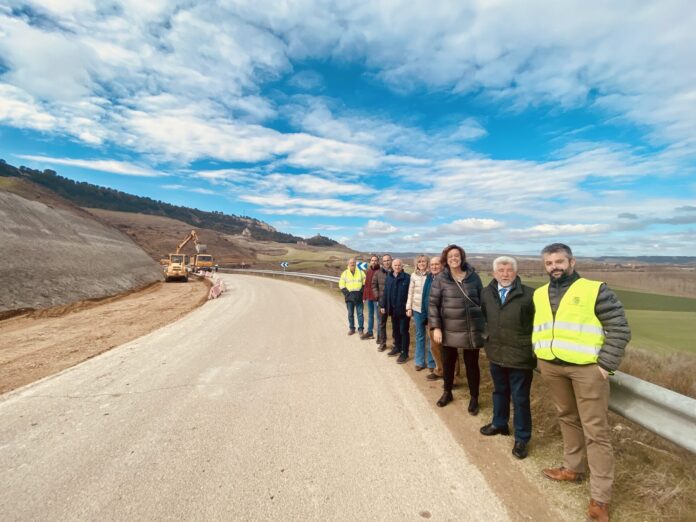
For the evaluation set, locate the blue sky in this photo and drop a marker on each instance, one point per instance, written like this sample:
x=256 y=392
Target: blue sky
x=502 y=126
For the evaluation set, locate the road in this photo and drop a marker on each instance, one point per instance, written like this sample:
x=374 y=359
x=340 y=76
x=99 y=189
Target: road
x=256 y=406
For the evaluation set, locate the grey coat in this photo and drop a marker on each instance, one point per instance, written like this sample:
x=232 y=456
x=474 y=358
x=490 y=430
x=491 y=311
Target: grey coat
x=459 y=318
x=610 y=313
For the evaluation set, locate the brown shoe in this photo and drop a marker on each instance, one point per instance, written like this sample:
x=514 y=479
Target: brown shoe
x=598 y=511
x=563 y=474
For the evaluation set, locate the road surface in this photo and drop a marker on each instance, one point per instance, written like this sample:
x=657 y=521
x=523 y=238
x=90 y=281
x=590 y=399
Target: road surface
x=256 y=406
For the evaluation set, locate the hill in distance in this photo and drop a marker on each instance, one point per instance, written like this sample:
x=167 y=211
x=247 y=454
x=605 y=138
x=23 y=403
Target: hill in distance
x=91 y=196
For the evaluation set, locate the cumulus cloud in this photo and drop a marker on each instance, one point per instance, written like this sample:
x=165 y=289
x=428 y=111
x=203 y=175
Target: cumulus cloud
x=462 y=226
x=378 y=228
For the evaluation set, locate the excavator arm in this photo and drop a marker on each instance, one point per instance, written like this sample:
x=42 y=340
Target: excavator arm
x=188 y=238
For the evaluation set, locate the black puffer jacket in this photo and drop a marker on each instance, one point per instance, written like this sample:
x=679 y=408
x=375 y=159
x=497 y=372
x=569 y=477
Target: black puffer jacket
x=508 y=334
x=610 y=313
x=459 y=318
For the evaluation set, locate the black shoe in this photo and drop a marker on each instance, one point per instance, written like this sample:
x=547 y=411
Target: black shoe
x=394 y=352
x=489 y=430
x=402 y=359
x=433 y=377
x=367 y=335
x=473 y=408
x=445 y=399
x=520 y=449
x=381 y=347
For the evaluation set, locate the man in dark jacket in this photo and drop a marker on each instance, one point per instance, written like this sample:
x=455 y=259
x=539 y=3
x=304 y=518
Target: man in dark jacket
x=580 y=333
x=508 y=307
x=371 y=299
x=379 y=282
x=393 y=304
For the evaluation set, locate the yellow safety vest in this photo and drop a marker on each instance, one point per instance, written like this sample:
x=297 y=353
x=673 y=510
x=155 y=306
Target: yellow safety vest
x=352 y=281
x=575 y=335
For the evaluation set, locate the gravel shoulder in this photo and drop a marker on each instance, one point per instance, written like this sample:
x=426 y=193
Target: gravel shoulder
x=45 y=342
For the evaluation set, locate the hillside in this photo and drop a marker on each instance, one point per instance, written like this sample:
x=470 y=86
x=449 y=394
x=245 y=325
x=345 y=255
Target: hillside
x=54 y=253
x=87 y=195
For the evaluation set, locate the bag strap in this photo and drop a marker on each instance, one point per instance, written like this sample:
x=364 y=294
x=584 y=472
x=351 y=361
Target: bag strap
x=463 y=292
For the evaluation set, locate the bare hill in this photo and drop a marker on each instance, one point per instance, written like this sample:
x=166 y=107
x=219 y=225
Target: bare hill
x=54 y=253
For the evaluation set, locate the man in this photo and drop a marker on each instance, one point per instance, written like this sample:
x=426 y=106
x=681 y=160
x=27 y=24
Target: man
x=351 y=284
x=393 y=304
x=580 y=334
x=370 y=298
x=379 y=282
x=508 y=307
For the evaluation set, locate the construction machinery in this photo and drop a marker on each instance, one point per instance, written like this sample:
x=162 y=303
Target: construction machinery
x=179 y=264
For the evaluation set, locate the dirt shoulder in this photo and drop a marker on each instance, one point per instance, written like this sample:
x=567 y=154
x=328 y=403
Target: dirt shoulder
x=45 y=342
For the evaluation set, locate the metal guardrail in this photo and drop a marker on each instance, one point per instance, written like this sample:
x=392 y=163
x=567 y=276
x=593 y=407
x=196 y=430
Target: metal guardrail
x=659 y=410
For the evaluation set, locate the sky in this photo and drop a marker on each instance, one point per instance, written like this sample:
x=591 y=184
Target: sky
x=498 y=125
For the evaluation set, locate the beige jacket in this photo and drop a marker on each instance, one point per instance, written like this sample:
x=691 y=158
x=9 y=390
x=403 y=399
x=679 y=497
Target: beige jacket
x=415 y=291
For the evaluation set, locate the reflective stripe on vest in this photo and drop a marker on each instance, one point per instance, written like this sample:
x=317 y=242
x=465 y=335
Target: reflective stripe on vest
x=352 y=281
x=575 y=335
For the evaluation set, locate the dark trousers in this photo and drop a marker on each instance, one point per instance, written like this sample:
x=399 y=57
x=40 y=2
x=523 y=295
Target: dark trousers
x=400 y=333
x=473 y=373
x=382 y=328
x=515 y=384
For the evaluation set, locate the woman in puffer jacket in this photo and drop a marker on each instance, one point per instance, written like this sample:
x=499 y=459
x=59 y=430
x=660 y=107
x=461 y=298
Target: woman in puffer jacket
x=454 y=315
x=414 y=308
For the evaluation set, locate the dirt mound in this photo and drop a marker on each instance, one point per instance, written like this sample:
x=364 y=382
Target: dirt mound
x=54 y=253
x=159 y=236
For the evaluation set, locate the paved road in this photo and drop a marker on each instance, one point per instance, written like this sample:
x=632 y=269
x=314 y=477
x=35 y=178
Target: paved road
x=256 y=406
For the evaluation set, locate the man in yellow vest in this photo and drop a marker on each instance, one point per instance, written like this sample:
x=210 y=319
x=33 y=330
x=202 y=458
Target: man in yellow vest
x=580 y=333
x=351 y=284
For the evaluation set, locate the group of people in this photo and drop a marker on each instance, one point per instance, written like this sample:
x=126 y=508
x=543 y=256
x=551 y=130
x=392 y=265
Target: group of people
x=574 y=330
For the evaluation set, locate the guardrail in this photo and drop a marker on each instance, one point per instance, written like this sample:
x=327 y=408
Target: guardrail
x=659 y=410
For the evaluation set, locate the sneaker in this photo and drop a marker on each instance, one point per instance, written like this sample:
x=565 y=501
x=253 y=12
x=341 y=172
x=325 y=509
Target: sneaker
x=489 y=430
x=402 y=359
x=520 y=449
x=394 y=352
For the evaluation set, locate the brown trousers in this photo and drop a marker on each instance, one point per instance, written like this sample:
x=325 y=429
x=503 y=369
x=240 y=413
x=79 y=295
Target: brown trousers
x=436 y=350
x=581 y=397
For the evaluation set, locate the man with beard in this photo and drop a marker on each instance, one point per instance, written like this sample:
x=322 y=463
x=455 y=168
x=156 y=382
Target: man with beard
x=371 y=299
x=580 y=333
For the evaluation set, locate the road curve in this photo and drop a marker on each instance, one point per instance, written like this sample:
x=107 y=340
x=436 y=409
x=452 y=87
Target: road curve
x=256 y=406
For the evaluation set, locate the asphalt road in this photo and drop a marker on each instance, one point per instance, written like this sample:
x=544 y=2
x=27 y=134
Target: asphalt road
x=256 y=406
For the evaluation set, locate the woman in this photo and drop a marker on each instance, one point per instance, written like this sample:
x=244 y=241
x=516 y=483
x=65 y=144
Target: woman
x=454 y=314
x=415 y=309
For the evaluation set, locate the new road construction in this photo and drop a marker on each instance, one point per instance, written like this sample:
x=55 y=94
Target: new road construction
x=255 y=406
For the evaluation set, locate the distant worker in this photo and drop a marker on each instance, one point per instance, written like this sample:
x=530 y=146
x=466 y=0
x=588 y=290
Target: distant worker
x=454 y=313
x=371 y=299
x=379 y=282
x=508 y=307
x=351 y=284
x=435 y=348
x=419 y=313
x=580 y=334
x=393 y=304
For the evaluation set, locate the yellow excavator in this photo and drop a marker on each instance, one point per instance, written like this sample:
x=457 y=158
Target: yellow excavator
x=178 y=265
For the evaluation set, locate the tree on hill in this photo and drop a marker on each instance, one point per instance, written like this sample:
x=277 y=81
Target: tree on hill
x=88 y=195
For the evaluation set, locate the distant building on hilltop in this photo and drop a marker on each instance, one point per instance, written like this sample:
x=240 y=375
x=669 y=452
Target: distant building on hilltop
x=246 y=233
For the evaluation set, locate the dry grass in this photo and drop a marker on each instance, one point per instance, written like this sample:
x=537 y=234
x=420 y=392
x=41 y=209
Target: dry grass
x=674 y=371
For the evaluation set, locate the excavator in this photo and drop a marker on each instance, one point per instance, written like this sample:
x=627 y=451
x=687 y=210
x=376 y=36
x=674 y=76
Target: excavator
x=177 y=267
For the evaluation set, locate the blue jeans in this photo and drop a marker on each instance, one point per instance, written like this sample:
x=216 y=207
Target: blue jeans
x=358 y=309
x=516 y=384
x=372 y=312
x=422 y=340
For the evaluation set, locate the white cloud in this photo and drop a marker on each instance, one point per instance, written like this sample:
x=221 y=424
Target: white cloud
x=563 y=230
x=462 y=226
x=378 y=228
x=115 y=167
